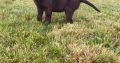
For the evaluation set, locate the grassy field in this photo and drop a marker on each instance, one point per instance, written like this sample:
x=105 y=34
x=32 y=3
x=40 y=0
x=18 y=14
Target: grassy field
x=93 y=38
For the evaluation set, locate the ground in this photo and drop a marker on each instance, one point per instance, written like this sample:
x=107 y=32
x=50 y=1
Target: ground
x=93 y=38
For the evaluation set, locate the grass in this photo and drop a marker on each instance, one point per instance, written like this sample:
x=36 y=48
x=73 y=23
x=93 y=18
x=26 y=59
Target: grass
x=93 y=38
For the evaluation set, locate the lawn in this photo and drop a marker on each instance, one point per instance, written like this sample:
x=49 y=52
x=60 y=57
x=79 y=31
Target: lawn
x=93 y=38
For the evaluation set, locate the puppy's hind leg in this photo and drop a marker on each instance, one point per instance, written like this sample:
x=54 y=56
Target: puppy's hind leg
x=69 y=15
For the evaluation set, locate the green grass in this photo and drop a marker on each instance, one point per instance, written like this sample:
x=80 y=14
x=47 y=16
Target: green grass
x=93 y=38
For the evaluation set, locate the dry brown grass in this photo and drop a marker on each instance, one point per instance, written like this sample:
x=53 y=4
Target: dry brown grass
x=90 y=54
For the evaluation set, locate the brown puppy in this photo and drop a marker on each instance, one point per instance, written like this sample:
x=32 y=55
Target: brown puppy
x=67 y=6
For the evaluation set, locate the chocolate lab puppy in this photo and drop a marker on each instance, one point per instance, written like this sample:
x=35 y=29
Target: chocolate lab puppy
x=67 y=6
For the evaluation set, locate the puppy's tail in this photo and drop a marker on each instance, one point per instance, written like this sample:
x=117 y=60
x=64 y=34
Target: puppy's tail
x=90 y=4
